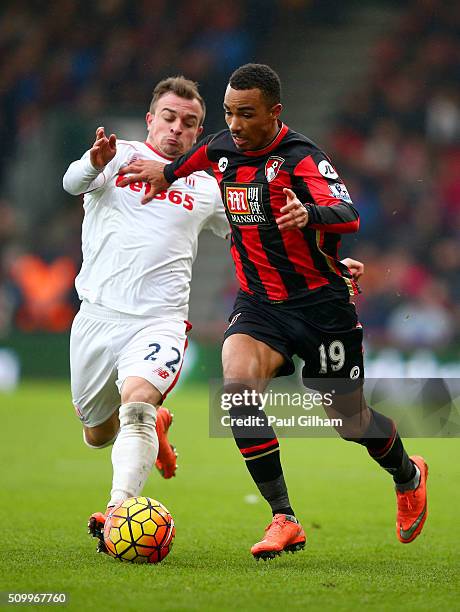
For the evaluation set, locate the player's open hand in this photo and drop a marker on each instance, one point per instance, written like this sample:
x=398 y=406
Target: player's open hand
x=356 y=267
x=294 y=214
x=146 y=171
x=103 y=150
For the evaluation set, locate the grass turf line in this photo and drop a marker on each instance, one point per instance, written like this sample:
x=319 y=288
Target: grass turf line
x=51 y=482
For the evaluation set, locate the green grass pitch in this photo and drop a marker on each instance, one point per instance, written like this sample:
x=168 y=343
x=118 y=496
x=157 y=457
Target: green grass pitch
x=51 y=482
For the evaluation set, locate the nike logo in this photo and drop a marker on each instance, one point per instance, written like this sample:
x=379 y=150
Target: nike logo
x=408 y=533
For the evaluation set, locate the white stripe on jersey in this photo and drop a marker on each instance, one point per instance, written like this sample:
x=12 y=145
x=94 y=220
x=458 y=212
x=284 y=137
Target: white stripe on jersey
x=138 y=258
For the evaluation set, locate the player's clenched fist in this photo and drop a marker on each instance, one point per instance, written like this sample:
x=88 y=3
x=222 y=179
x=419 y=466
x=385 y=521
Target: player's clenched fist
x=356 y=267
x=103 y=149
x=294 y=213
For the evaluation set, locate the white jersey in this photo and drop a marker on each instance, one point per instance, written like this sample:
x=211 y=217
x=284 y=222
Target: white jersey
x=137 y=259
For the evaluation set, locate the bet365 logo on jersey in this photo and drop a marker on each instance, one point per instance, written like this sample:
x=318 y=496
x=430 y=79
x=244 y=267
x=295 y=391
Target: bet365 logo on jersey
x=244 y=203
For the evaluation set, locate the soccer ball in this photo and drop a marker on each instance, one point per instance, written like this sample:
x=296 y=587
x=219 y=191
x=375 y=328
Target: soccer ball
x=139 y=530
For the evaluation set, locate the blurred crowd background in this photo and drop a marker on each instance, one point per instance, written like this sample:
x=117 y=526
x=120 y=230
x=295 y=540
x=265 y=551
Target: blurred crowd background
x=394 y=136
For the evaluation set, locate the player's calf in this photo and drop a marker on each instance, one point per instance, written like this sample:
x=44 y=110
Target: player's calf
x=135 y=450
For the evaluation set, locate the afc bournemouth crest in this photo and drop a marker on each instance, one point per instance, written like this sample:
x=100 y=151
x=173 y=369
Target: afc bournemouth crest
x=272 y=167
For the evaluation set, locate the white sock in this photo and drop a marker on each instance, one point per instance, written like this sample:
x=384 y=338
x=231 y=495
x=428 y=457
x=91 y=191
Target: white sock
x=135 y=450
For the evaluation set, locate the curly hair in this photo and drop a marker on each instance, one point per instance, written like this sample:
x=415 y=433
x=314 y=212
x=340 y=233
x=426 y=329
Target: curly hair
x=258 y=76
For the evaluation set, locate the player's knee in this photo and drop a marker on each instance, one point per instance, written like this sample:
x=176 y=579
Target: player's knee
x=140 y=391
x=96 y=441
x=242 y=399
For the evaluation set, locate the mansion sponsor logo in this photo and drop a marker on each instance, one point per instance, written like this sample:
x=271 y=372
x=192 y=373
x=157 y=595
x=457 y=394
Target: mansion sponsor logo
x=244 y=203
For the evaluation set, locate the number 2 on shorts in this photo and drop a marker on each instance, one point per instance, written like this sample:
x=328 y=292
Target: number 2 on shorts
x=169 y=364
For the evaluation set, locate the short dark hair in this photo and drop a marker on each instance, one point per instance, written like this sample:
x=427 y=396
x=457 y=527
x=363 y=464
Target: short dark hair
x=258 y=76
x=182 y=87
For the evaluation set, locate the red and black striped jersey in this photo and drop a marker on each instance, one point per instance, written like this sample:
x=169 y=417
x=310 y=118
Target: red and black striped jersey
x=274 y=265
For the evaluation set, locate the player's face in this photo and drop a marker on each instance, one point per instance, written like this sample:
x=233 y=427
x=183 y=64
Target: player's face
x=175 y=125
x=252 y=122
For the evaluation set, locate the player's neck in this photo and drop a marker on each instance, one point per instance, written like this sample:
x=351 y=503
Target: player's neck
x=273 y=135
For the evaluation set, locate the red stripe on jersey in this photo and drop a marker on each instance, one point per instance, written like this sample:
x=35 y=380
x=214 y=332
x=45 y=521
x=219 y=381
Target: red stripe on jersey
x=245 y=174
x=319 y=189
x=277 y=197
x=299 y=255
x=270 y=277
x=339 y=228
x=240 y=275
x=217 y=173
x=315 y=182
x=293 y=240
x=198 y=161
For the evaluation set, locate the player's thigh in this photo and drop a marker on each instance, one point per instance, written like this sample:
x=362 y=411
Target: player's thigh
x=245 y=358
x=334 y=365
x=93 y=371
x=155 y=353
x=333 y=355
x=257 y=344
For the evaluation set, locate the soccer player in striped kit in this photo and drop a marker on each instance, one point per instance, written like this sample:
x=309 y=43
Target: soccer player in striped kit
x=287 y=208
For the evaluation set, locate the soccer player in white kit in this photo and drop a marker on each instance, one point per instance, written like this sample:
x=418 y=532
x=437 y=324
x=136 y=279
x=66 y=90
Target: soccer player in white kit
x=128 y=340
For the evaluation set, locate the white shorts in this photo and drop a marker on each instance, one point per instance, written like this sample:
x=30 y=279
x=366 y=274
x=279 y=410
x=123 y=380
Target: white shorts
x=107 y=346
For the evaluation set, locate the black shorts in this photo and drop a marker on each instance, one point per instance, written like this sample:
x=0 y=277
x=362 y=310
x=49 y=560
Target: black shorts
x=326 y=336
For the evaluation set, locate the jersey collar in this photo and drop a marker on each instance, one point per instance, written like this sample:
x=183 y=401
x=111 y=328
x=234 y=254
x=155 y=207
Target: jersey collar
x=169 y=159
x=272 y=145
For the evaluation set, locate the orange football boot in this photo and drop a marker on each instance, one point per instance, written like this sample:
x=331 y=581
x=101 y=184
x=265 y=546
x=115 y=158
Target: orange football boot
x=283 y=534
x=167 y=456
x=412 y=506
x=96 y=524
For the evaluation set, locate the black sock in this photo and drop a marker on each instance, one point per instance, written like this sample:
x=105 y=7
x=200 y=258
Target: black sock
x=260 y=449
x=385 y=446
x=262 y=457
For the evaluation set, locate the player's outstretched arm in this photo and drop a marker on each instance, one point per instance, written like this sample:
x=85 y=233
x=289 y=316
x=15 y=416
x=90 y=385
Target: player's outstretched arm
x=147 y=171
x=356 y=267
x=103 y=150
x=294 y=214
x=87 y=173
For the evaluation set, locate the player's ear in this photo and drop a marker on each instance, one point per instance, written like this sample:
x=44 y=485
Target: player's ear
x=148 y=119
x=199 y=132
x=276 y=110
